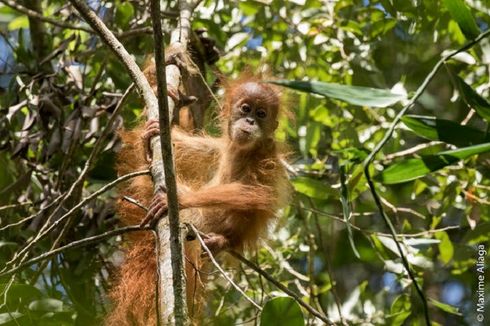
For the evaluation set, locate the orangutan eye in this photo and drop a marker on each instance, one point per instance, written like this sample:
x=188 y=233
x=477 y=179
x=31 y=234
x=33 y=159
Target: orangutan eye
x=261 y=114
x=245 y=108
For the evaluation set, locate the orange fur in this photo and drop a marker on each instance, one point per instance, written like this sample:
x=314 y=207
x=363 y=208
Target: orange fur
x=226 y=190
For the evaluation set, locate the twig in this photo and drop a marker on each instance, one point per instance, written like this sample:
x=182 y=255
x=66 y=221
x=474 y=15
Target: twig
x=385 y=139
x=118 y=49
x=135 y=202
x=283 y=288
x=33 y=216
x=2 y=208
x=412 y=150
x=96 y=149
x=48 y=226
x=468 y=117
x=196 y=231
x=95 y=194
x=72 y=245
x=400 y=235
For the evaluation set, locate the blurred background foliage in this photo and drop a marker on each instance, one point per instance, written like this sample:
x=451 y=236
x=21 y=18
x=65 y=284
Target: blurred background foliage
x=58 y=86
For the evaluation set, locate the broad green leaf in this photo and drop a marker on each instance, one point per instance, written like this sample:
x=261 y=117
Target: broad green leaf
x=400 y=310
x=9 y=317
x=412 y=169
x=346 y=209
x=249 y=8
x=357 y=95
x=474 y=100
x=20 y=293
x=462 y=15
x=446 y=249
x=19 y=22
x=321 y=114
x=283 y=311
x=312 y=188
x=46 y=305
x=445 y=307
x=124 y=13
x=445 y=130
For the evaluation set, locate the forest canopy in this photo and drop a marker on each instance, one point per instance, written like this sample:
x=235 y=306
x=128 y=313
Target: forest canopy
x=387 y=129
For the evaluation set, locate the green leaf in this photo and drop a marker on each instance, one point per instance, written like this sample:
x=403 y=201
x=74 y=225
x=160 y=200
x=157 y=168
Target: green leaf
x=446 y=249
x=462 y=15
x=412 y=169
x=283 y=311
x=20 y=293
x=473 y=99
x=312 y=188
x=124 y=13
x=18 y=23
x=479 y=235
x=400 y=310
x=249 y=8
x=357 y=95
x=445 y=307
x=48 y=305
x=445 y=130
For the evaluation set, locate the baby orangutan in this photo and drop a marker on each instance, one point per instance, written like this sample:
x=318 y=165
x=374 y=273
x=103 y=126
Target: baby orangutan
x=229 y=189
x=239 y=200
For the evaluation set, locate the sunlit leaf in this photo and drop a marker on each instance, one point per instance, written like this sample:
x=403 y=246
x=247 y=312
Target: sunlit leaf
x=283 y=311
x=400 y=310
x=10 y=317
x=357 y=95
x=414 y=168
x=124 y=13
x=462 y=15
x=445 y=307
x=19 y=22
x=236 y=39
x=312 y=188
x=446 y=249
x=46 y=305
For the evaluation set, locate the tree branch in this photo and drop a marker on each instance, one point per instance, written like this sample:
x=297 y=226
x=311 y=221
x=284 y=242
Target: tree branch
x=171 y=305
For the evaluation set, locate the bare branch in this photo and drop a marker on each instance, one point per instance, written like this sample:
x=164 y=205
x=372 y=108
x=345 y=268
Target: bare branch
x=113 y=43
x=135 y=202
x=51 y=227
x=171 y=300
x=73 y=245
x=210 y=255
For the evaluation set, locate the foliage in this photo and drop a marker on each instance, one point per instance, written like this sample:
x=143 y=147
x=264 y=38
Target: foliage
x=357 y=62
